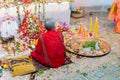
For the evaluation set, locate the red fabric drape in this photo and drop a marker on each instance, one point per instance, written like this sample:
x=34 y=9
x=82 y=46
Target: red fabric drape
x=54 y=47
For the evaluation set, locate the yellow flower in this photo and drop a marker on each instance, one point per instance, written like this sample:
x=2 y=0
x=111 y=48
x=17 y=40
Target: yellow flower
x=75 y=31
x=5 y=66
x=34 y=42
x=21 y=47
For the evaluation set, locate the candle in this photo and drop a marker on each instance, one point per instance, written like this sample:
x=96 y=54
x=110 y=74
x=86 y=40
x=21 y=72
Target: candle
x=96 y=27
x=91 y=24
x=80 y=29
x=84 y=32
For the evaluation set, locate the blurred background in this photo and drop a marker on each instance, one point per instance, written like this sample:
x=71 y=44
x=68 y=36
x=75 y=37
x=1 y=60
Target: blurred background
x=97 y=5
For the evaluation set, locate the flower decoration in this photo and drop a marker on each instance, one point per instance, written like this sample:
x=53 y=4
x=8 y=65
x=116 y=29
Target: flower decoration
x=62 y=26
x=31 y=27
x=65 y=29
x=17 y=45
x=9 y=47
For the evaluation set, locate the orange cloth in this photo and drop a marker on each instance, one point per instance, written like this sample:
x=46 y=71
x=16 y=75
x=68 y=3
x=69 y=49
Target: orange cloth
x=115 y=14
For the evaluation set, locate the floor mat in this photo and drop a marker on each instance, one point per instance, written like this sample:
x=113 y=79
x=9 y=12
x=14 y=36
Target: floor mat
x=40 y=66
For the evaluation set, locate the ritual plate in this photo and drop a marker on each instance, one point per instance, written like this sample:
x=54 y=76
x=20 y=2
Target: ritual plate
x=79 y=47
x=76 y=14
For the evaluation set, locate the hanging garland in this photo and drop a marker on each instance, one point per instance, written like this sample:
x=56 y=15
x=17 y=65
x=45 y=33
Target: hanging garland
x=39 y=10
x=43 y=14
x=25 y=6
x=18 y=12
x=35 y=7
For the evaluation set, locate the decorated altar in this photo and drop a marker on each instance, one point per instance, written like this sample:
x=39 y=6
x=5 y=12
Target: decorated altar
x=29 y=16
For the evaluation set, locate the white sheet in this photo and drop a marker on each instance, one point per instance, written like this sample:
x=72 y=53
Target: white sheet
x=58 y=11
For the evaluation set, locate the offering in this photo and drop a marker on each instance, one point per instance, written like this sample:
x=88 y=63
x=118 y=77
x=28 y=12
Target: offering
x=88 y=47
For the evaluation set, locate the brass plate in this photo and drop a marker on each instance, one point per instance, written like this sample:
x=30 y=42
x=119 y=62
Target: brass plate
x=104 y=45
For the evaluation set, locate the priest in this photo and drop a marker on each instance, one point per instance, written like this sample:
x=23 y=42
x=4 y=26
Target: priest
x=50 y=50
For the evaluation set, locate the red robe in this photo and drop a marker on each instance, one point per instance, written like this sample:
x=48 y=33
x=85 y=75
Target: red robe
x=54 y=47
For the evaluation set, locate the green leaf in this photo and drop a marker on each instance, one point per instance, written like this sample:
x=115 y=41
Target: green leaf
x=78 y=71
x=104 y=66
x=41 y=71
x=84 y=74
x=89 y=44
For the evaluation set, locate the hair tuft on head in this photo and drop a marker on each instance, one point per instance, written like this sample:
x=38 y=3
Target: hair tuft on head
x=49 y=24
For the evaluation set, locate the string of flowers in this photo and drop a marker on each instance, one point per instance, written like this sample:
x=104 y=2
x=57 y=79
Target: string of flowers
x=39 y=10
x=35 y=7
x=25 y=6
x=43 y=14
x=18 y=11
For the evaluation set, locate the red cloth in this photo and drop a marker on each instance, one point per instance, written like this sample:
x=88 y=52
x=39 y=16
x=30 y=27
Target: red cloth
x=54 y=47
